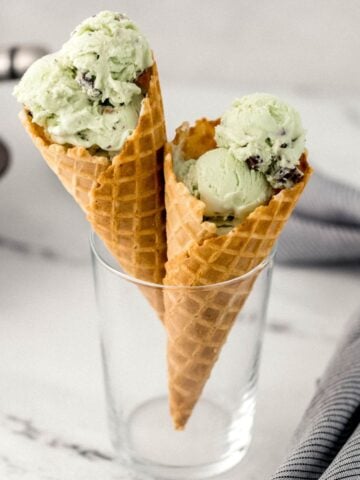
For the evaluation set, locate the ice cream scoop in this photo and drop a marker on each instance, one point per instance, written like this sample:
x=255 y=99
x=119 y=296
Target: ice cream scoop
x=260 y=142
x=228 y=188
x=266 y=134
x=87 y=94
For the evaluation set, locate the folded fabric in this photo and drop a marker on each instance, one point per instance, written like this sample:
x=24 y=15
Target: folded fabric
x=327 y=442
x=325 y=226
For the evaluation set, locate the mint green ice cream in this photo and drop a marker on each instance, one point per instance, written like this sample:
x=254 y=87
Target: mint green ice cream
x=229 y=189
x=260 y=142
x=85 y=94
x=265 y=133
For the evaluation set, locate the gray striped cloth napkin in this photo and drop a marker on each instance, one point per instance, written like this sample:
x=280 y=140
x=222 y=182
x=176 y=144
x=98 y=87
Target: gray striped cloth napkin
x=327 y=442
x=325 y=226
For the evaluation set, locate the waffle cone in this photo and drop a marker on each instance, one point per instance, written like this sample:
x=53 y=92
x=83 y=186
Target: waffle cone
x=123 y=196
x=199 y=320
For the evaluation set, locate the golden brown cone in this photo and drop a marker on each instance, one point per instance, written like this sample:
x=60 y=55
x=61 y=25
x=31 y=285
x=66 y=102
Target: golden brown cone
x=122 y=196
x=199 y=320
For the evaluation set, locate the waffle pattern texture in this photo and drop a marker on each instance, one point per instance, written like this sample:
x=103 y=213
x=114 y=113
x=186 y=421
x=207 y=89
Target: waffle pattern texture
x=123 y=197
x=199 y=320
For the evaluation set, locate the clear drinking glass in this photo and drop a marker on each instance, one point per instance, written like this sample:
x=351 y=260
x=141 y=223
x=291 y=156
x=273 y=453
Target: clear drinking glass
x=134 y=346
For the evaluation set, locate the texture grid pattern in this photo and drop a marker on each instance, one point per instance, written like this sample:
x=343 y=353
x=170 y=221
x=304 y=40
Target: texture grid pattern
x=196 y=322
x=123 y=197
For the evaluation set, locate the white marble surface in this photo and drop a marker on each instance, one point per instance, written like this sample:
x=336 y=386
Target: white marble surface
x=52 y=420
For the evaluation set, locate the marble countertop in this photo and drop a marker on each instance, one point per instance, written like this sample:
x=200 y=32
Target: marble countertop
x=52 y=408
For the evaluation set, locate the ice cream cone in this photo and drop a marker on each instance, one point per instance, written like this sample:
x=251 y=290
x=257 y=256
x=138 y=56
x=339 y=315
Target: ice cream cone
x=122 y=196
x=199 y=320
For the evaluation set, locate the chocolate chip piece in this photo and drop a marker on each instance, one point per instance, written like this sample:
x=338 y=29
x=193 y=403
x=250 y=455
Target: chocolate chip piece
x=83 y=135
x=294 y=175
x=87 y=81
x=106 y=103
x=286 y=177
x=106 y=106
x=284 y=145
x=96 y=92
x=254 y=162
x=268 y=141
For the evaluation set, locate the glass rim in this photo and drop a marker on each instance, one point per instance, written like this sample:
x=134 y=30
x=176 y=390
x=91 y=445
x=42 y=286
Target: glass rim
x=129 y=278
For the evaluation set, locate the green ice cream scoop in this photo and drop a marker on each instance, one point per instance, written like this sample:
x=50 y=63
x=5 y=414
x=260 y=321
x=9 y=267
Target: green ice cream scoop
x=228 y=188
x=86 y=94
x=266 y=134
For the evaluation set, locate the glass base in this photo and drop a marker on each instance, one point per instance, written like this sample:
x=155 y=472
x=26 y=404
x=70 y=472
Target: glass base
x=207 y=446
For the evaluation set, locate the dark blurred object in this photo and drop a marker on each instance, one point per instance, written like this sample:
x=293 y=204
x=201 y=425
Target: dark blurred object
x=325 y=227
x=327 y=442
x=14 y=61
x=4 y=158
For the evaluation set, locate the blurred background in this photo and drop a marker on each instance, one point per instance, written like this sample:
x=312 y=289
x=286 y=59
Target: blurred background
x=208 y=52
x=278 y=44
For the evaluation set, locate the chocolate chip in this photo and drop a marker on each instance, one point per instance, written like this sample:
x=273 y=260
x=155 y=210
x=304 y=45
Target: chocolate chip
x=268 y=141
x=106 y=106
x=87 y=81
x=83 y=135
x=254 y=162
x=284 y=145
x=286 y=177
x=106 y=103
x=294 y=175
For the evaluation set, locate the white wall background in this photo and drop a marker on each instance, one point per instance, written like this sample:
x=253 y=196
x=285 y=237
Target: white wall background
x=299 y=44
